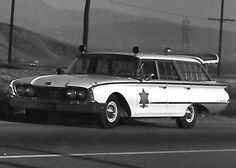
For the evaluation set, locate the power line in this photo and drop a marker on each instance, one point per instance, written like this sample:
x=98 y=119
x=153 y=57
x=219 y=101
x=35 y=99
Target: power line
x=157 y=11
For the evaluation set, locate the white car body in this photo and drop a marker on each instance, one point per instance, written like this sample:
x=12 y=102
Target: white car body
x=139 y=94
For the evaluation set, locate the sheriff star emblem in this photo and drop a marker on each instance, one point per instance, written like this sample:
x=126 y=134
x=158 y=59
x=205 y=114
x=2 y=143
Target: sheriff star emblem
x=143 y=99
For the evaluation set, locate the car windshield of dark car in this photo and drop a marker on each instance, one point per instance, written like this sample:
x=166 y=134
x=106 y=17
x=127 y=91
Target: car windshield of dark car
x=104 y=64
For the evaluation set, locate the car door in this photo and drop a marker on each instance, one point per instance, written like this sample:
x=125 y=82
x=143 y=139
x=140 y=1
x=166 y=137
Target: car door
x=177 y=92
x=152 y=97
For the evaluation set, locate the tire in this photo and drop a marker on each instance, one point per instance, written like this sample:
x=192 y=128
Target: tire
x=111 y=117
x=189 y=119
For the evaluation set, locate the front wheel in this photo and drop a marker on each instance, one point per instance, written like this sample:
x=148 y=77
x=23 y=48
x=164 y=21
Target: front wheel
x=189 y=119
x=110 y=118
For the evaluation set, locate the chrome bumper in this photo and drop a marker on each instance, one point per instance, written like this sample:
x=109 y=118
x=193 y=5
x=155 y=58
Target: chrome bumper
x=54 y=106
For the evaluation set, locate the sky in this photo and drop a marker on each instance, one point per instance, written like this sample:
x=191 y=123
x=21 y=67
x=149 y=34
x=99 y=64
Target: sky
x=197 y=11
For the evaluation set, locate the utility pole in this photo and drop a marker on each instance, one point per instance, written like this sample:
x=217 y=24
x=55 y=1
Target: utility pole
x=11 y=31
x=86 y=23
x=222 y=20
x=185 y=35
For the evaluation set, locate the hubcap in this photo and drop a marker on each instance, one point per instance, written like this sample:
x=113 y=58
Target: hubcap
x=189 y=116
x=111 y=111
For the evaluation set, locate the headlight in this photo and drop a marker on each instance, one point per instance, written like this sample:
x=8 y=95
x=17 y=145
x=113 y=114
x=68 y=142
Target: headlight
x=30 y=91
x=25 y=90
x=71 y=93
x=77 y=93
x=82 y=94
x=20 y=90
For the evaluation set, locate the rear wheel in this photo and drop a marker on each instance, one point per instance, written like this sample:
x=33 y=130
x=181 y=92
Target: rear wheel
x=110 y=118
x=189 y=119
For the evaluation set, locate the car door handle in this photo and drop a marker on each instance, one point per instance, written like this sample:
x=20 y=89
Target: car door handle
x=163 y=87
x=188 y=88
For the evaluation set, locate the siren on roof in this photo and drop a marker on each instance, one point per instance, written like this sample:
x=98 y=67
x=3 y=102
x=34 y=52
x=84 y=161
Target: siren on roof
x=82 y=49
x=167 y=51
x=136 y=50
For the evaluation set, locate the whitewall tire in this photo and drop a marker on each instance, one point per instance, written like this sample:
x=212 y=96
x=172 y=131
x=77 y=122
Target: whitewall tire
x=110 y=118
x=189 y=119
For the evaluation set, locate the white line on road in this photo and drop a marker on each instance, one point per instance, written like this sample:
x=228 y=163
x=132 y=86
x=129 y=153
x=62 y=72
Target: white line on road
x=116 y=153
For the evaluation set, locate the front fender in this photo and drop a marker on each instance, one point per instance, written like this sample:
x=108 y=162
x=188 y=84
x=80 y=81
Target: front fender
x=127 y=92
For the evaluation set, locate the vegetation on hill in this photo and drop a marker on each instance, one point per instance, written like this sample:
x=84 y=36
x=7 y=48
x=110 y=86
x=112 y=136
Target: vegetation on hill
x=29 y=47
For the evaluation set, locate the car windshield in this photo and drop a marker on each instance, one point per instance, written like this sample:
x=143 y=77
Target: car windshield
x=104 y=64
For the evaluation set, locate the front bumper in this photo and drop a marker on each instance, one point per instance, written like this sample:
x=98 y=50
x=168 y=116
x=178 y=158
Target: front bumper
x=57 y=106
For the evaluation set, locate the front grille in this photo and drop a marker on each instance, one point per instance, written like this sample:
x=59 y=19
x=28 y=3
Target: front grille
x=50 y=93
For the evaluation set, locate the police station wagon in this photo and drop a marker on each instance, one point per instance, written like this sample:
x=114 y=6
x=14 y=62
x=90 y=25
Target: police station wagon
x=133 y=85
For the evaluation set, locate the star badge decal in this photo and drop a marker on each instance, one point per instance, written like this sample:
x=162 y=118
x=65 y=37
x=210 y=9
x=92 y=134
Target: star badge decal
x=143 y=99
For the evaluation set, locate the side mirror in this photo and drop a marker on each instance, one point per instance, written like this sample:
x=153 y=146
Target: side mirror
x=59 y=71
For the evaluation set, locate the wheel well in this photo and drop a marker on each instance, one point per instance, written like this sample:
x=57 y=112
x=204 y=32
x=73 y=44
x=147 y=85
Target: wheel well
x=125 y=109
x=201 y=109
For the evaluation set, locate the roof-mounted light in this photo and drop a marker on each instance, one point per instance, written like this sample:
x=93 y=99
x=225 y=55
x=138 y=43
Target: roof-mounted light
x=167 y=51
x=136 y=50
x=82 y=49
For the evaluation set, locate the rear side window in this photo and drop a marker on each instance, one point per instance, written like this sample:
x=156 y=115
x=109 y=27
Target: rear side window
x=167 y=70
x=192 y=71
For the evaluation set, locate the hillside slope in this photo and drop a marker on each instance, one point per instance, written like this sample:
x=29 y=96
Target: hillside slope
x=29 y=46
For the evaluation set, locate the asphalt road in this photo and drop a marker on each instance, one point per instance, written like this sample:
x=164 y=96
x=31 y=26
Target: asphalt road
x=145 y=144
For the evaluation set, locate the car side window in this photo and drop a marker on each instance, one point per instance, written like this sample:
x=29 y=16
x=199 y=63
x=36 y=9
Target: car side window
x=167 y=70
x=192 y=71
x=149 y=69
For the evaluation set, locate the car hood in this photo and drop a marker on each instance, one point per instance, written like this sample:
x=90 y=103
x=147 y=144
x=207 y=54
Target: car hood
x=65 y=80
